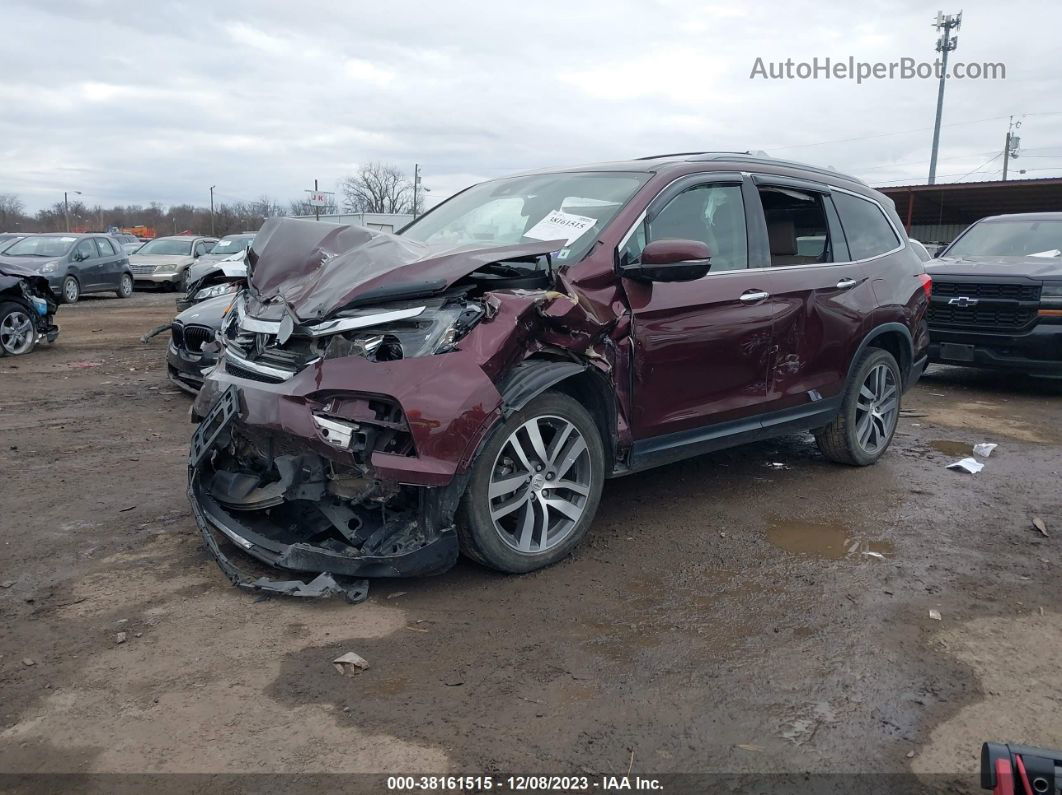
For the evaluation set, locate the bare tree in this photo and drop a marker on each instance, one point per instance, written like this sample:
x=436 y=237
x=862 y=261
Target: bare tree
x=377 y=188
x=12 y=212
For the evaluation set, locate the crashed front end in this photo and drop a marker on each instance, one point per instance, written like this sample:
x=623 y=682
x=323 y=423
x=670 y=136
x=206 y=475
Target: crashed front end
x=302 y=470
x=358 y=378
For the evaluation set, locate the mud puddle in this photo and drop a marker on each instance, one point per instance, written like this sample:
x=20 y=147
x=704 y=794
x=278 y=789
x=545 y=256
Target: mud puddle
x=948 y=447
x=828 y=540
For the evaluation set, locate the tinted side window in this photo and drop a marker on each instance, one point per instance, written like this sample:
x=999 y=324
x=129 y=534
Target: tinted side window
x=866 y=228
x=797 y=229
x=711 y=214
x=85 y=250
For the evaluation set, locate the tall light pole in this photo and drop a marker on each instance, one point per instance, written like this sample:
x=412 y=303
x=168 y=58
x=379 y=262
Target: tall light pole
x=945 y=44
x=416 y=187
x=66 y=207
x=212 y=209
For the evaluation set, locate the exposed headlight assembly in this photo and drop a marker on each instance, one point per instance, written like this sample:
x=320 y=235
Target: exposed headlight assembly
x=436 y=329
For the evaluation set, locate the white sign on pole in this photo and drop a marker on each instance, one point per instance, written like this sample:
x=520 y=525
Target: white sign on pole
x=318 y=198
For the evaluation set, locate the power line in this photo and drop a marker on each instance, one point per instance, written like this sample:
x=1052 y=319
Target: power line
x=994 y=157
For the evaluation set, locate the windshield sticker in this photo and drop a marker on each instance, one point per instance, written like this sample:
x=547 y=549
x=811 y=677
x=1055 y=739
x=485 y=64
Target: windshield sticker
x=559 y=225
x=1052 y=253
x=563 y=253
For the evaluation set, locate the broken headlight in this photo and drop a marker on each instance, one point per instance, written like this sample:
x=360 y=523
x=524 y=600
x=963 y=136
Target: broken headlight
x=435 y=330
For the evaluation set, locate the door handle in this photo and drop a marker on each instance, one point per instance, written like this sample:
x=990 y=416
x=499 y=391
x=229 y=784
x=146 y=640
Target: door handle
x=753 y=296
x=846 y=284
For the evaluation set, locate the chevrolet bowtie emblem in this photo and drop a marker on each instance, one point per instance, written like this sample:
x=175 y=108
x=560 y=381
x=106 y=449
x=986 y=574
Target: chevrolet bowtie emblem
x=962 y=301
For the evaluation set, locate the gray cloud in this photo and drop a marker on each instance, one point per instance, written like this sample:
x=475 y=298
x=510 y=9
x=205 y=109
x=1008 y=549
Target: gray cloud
x=132 y=102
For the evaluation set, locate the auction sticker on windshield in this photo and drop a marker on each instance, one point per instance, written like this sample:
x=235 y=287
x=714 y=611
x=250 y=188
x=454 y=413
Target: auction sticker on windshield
x=559 y=225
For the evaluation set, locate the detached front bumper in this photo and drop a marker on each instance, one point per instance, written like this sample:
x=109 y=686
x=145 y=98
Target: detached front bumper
x=263 y=476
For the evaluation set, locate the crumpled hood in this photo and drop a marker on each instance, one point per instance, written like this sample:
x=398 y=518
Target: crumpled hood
x=1027 y=267
x=24 y=266
x=15 y=268
x=317 y=268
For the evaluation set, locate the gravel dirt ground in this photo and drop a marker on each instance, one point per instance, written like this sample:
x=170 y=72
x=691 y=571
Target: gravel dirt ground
x=723 y=615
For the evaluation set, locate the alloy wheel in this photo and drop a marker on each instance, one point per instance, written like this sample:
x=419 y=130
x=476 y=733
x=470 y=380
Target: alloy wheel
x=539 y=484
x=877 y=409
x=71 y=290
x=16 y=332
x=126 y=287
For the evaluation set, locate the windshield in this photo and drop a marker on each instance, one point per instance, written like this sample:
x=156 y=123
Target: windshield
x=574 y=207
x=41 y=246
x=1017 y=238
x=230 y=245
x=165 y=247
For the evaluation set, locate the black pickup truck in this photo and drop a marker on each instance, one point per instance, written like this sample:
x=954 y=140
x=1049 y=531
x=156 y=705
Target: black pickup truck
x=997 y=296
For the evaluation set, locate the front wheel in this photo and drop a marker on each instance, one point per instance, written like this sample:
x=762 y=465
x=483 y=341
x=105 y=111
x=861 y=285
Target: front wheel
x=17 y=336
x=125 y=286
x=534 y=488
x=863 y=429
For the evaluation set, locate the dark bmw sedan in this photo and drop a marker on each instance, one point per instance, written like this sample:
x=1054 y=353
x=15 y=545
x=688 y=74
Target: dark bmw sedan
x=74 y=264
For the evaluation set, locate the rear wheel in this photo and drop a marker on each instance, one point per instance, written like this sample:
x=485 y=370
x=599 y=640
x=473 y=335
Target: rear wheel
x=125 y=286
x=535 y=487
x=71 y=290
x=17 y=336
x=863 y=429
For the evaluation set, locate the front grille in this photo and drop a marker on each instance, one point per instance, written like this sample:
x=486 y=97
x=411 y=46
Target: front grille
x=142 y=270
x=988 y=317
x=979 y=290
x=195 y=337
x=177 y=334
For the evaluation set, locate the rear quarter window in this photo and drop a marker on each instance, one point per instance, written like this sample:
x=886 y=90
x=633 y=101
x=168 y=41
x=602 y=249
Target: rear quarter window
x=866 y=228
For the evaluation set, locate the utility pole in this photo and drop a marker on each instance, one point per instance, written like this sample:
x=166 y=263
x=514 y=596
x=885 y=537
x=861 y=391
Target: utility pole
x=945 y=44
x=212 y=208
x=66 y=208
x=316 y=207
x=416 y=187
x=1010 y=148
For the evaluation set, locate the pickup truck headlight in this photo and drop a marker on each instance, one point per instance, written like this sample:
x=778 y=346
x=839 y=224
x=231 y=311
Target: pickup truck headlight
x=1051 y=294
x=216 y=290
x=165 y=269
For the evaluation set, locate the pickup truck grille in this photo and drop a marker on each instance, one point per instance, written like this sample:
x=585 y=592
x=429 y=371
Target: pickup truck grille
x=982 y=306
x=1012 y=292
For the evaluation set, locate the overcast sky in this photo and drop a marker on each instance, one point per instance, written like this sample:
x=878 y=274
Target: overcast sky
x=133 y=102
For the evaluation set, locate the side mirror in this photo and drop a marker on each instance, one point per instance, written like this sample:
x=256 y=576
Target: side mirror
x=671 y=261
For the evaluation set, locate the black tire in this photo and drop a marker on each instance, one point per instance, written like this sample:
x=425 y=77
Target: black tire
x=480 y=539
x=125 y=286
x=9 y=311
x=70 y=291
x=839 y=441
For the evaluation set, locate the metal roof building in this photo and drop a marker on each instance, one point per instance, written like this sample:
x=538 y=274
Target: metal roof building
x=938 y=213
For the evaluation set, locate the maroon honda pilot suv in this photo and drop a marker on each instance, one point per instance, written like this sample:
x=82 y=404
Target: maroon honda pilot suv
x=385 y=402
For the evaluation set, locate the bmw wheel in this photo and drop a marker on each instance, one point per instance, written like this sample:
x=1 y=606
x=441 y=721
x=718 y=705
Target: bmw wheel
x=535 y=487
